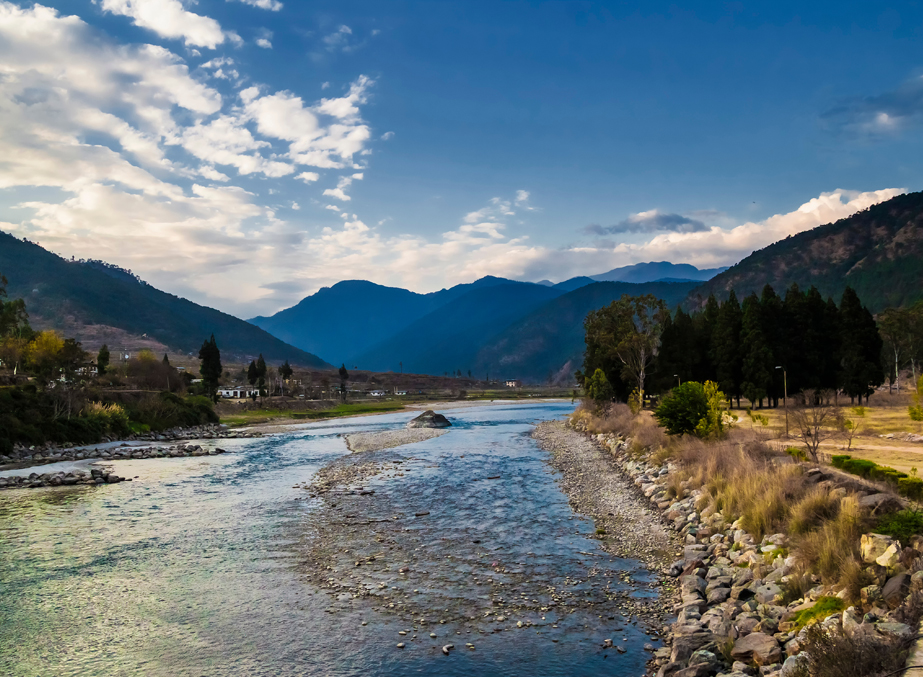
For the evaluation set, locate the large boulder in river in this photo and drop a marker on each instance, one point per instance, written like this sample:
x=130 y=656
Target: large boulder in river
x=429 y=419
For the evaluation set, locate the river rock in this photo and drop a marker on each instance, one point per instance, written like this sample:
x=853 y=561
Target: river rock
x=895 y=590
x=880 y=503
x=429 y=419
x=758 y=648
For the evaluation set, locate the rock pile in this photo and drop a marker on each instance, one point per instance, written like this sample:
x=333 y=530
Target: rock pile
x=732 y=619
x=34 y=481
x=49 y=453
x=429 y=419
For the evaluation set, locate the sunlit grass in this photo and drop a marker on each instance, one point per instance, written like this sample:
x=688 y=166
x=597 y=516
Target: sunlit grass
x=246 y=418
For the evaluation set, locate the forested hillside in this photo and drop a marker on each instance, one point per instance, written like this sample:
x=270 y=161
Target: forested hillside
x=878 y=252
x=93 y=293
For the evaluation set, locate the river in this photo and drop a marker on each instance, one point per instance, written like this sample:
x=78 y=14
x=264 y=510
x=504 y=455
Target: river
x=206 y=565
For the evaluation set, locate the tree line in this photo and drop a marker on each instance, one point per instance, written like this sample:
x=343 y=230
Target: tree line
x=635 y=346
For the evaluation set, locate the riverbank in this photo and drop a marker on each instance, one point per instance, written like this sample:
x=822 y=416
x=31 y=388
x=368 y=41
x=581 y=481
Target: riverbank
x=26 y=457
x=755 y=600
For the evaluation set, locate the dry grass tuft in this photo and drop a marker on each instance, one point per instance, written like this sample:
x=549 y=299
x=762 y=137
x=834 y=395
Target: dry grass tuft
x=832 y=548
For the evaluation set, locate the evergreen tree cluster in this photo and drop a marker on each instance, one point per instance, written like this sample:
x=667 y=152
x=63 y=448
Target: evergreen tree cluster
x=746 y=347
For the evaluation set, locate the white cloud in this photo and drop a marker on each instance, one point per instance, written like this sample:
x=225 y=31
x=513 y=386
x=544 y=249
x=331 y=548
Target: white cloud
x=344 y=183
x=265 y=39
x=271 y=5
x=296 y=206
x=387 y=135
x=308 y=177
x=169 y=19
x=339 y=39
x=326 y=85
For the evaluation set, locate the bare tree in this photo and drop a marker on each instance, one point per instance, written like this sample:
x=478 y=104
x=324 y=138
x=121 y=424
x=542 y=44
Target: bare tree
x=816 y=418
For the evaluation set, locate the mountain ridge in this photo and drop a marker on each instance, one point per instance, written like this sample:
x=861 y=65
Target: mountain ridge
x=98 y=294
x=877 y=251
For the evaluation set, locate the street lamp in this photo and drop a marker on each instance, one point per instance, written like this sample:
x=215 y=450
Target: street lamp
x=785 y=395
x=678 y=381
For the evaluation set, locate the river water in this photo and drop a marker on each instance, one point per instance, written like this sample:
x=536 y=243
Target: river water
x=201 y=565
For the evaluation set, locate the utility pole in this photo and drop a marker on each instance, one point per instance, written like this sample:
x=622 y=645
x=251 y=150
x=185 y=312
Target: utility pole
x=678 y=381
x=785 y=395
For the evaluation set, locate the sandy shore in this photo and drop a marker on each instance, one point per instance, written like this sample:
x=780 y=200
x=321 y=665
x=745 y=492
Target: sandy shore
x=388 y=439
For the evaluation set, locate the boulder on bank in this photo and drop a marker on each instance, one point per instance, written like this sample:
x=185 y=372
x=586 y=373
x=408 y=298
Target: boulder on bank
x=429 y=419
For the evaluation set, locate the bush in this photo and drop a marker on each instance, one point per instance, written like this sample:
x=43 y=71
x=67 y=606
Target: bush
x=683 y=408
x=832 y=653
x=911 y=487
x=823 y=607
x=902 y=525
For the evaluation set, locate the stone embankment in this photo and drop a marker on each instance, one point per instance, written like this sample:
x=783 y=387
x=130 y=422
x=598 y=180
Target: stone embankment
x=50 y=453
x=732 y=617
x=95 y=476
x=58 y=479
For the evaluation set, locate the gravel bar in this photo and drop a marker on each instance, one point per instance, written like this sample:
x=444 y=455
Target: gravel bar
x=388 y=439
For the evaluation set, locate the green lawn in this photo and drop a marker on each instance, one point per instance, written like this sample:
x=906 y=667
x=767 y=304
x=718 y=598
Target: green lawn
x=246 y=418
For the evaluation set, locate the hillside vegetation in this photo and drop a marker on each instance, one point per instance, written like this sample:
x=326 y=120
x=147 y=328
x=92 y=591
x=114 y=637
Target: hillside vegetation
x=878 y=252
x=93 y=293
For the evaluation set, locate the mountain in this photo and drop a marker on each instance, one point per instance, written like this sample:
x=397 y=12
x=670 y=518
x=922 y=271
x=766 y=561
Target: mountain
x=878 y=252
x=548 y=342
x=574 y=283
x=657 y=271
x=93 y=294
x=341 y=322
x=449 y=338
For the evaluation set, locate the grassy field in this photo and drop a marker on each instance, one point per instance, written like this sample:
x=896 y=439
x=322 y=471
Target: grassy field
x=260 y=416
x=886 y=414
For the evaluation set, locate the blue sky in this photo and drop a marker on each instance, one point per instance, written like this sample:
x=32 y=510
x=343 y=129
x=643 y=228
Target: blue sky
x=245 y=153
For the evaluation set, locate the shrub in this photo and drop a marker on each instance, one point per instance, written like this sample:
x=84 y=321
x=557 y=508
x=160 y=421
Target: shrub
x=902 y=525
x=911 y=487
x=796 y=453
x=829 y=652
x=812 y=510
x=598 y=388
x=823 y=607
x=683 y=408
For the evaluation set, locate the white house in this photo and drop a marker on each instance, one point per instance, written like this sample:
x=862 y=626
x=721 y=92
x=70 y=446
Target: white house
x=238 y=392
x=514 y=383
x=400 y=392
x=376 y=393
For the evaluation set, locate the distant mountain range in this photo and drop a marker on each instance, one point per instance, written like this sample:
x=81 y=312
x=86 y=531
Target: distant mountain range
x=509 y=329
x=878 y=252
x=492 y=326
x=91 y=294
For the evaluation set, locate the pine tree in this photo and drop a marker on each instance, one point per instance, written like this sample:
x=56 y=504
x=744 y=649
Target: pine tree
x=210 y=368
x=166 y=360
x=860 y=348
x=252 y=373
x=772 y=316
x=261 y=373
x=756 y=365
x=344 y=377
x=285 y=370
x=102 y=360
x=726 y=349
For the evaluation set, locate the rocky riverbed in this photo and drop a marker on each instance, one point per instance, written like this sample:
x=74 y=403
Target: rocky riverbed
x=445 y=567
x=388 y=439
